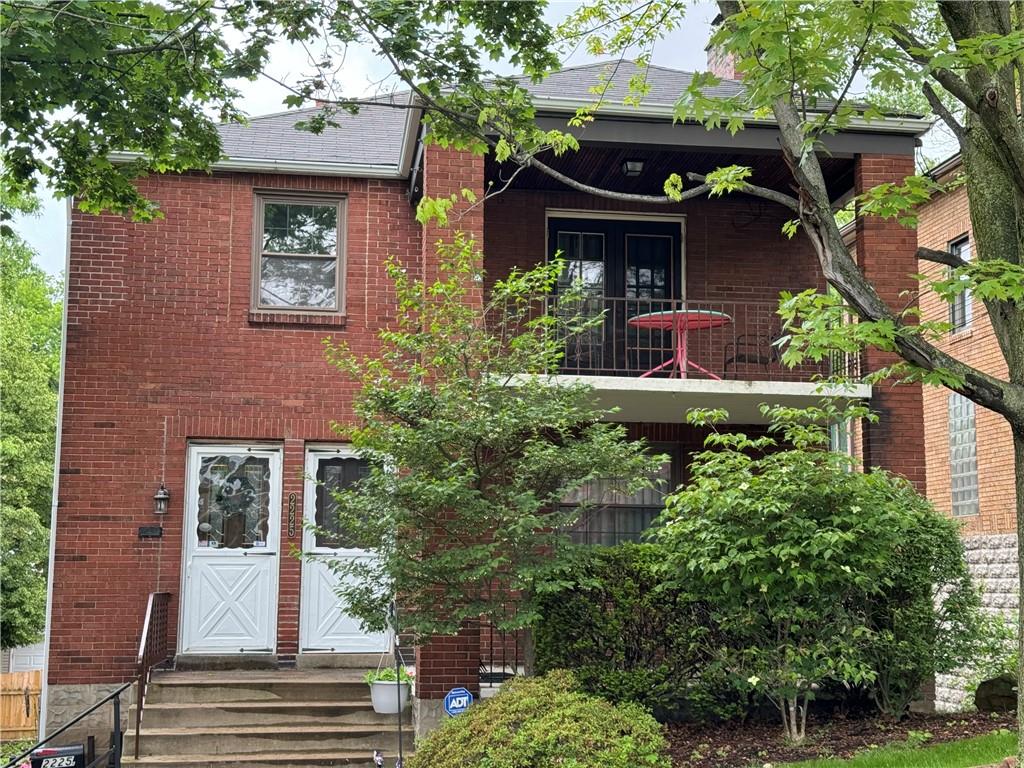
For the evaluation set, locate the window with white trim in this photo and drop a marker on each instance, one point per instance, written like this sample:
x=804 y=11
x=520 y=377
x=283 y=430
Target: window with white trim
x=963 y=456
x=299 y=263
x=960 y=311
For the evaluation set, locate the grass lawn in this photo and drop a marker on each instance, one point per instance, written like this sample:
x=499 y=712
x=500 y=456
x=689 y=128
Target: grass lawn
x=981 y=750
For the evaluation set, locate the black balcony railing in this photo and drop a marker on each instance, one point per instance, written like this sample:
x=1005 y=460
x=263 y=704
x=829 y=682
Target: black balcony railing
x=670 y=338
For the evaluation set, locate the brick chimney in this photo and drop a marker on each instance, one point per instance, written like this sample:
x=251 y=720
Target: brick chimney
x=721 y=63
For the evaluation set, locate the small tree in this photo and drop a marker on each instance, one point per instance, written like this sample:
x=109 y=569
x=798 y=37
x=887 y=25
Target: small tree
x=797 y=556
x=30 y=327
x=472 y=447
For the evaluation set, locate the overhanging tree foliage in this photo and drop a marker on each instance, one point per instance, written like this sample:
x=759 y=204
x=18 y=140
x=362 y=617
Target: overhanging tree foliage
x=30 y=326
x=472 y=449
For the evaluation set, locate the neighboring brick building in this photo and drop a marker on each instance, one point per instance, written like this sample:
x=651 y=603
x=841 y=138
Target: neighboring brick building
x=194 y=356
x=968 y=449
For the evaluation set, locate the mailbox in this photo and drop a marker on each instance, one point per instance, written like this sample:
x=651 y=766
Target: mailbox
x=59 y=757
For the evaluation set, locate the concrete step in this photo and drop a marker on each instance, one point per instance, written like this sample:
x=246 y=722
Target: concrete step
x=292 y=739
x=185 y=715
x=256 y=685
x=274 y=760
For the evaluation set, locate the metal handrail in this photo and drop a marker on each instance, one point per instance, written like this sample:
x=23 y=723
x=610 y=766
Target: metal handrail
x=153 y=651
x=115 y=749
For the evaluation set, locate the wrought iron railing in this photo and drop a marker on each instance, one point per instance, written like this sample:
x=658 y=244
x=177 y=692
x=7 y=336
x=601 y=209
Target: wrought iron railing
x=697 y=339
x=154 y=650
x=111 y=757
x=501 y=656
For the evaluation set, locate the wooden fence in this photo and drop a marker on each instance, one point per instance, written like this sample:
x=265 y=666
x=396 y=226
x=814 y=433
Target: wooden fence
x=19 y=704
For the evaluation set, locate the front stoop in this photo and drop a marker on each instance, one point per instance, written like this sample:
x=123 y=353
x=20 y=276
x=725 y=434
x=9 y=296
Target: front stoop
x=256 y=718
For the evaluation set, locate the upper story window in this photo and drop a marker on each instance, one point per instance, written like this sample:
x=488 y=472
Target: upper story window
x=963 y=456
x=299 y=253
x=960 y=312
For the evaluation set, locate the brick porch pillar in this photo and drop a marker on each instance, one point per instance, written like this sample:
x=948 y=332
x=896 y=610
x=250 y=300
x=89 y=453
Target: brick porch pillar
x=290 y=566
x=886 y=251
x=444 y=663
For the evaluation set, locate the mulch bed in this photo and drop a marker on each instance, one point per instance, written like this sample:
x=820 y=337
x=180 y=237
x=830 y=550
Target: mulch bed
x=738 y=745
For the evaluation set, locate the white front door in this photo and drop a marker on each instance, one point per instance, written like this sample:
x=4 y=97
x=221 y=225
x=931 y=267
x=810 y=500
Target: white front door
x=232 y=530
x=324 y=626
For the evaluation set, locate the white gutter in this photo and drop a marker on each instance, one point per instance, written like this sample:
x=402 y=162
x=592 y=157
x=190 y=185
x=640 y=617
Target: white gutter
x=307 y=167
x=410 y=136
x=44 y=695
x=909 y=125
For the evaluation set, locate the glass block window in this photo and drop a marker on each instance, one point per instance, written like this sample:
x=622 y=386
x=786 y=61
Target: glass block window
x=960 y=311
x=300 y=243
x=963 y=456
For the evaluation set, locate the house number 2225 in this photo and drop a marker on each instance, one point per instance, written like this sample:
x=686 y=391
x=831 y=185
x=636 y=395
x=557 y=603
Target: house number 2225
x=291 y=515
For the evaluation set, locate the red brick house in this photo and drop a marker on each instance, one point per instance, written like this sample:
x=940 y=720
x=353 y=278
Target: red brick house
x=968 y=449
x=194 y=358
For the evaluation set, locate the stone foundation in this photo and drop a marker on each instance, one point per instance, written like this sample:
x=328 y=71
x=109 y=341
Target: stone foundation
x=992 y=560
x=64 y=702
x=427 y=715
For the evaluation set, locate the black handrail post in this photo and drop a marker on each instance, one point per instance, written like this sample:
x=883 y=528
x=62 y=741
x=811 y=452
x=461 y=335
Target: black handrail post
x=117 y=731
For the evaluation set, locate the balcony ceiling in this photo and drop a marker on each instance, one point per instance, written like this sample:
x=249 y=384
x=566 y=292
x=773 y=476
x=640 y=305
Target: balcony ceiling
x=602 y=167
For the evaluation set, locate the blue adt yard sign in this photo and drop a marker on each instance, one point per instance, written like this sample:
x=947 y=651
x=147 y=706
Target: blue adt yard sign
x=457 y=701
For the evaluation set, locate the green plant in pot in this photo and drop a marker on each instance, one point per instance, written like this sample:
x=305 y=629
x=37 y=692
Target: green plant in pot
x=389 y=689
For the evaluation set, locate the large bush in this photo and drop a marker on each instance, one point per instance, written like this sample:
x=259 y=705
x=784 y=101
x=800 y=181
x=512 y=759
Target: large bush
x=627 y=636
x=545 y=722
x=818 y=573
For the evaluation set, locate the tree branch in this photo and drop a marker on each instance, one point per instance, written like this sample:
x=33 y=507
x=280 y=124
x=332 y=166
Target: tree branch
x=764 y=192
x=940 y=257
x=946 y=114
x=626 y=197
x=948 y=79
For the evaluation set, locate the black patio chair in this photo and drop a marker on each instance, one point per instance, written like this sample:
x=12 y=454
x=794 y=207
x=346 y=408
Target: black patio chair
x=753 y=349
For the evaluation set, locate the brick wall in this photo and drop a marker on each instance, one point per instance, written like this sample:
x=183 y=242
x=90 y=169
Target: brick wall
x=161 y=349
x=886 y=252
x=446 y=662
x=734 y=249
x=943 y=220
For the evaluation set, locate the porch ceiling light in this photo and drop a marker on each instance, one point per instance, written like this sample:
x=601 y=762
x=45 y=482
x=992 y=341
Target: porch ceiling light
x=632 y=167
x=160 y=499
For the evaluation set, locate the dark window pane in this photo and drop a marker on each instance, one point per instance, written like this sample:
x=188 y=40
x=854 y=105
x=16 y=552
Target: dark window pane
x=648 y=262
x=333 y=475
x=286 y=282
x=234 y=501
x=300 y=228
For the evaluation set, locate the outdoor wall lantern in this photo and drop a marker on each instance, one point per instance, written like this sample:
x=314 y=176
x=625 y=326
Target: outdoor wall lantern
x=632 y=167
x=160 y=499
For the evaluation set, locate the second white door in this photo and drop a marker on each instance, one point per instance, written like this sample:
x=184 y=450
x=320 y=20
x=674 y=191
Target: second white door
x=325 y=626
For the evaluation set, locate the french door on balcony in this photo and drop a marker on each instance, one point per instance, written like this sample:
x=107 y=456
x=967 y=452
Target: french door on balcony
x=624 y=268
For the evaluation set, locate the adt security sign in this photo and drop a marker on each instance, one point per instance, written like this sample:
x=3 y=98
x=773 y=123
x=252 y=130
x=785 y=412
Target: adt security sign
x=457 y=701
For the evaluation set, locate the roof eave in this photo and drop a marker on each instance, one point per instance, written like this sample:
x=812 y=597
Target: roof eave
x=306 y=167
x=903 y=125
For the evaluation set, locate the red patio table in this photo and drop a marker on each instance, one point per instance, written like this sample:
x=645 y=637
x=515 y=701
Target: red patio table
x=680 y=322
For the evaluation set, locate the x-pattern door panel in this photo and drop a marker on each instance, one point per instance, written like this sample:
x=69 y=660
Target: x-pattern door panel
x=325 y=626
x=232 y=524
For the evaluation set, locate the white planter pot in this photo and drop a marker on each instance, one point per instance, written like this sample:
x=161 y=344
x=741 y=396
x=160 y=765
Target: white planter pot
x=389 y=697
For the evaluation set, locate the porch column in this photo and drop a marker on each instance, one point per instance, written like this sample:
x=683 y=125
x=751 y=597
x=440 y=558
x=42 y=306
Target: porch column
x=444 y=663
x=886 y=252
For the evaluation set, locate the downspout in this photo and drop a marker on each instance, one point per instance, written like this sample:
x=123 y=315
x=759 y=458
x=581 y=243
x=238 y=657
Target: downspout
x=44 y=696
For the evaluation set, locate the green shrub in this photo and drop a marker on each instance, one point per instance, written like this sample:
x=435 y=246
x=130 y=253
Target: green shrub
x=817 y=572
x=545 y=722
x=628 y=637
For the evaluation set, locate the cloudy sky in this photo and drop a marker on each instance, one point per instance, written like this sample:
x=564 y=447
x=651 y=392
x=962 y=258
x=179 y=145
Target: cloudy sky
x=684 y=49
